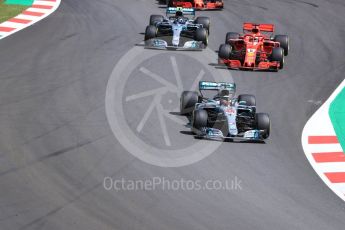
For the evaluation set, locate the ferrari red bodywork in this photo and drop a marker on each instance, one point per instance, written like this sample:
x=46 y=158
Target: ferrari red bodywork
x=253 y=49
x=198 y=4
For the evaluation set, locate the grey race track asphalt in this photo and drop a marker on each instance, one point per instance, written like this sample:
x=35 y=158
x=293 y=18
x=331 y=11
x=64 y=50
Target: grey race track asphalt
x=56 y=145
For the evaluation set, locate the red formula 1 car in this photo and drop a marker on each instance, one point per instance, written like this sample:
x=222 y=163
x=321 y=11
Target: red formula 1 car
x=197 y=4
x=256 y=49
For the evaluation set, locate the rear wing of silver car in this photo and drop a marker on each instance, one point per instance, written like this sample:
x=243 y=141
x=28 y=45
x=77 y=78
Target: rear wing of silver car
x=208 y=85
x=186 y=11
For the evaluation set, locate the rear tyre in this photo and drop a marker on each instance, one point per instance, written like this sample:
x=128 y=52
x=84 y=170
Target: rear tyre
x=187 y=102
x=155 y=18
x=199 y=119
x=231 y=35
x=205 y=22
x=201 y=35
x=224 y=51
x=170 y=3
x=284 y=43
x=278 y=55
x=263 y=123
x=150 y=32
x=249 y=99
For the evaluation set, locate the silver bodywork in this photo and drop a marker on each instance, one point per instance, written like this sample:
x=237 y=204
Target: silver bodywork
x=157 y=43
x=176 y=28
x=229 y=114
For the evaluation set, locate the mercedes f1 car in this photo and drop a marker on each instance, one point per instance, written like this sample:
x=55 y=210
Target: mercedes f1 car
x=197 y=4
x=179 y=30
x=256 y=49
x=224 y=117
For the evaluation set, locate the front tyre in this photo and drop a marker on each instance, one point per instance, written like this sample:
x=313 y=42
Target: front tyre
x=199 y=120
x=224 y=51
x=150 y=32
x=263 y=123
x=201 y=35
x=278 y=55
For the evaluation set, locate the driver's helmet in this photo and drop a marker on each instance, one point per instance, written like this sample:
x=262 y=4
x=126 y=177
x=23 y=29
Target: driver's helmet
x=225 y=97
x=255 y=30
x=178 y=14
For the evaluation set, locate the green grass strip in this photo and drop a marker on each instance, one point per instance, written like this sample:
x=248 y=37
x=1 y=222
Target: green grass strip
x=10 y=11
x=337 y=115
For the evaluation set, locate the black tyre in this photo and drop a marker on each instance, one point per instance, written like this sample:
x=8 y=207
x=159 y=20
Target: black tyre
x=284 y=43
x=263 y=123
x=170 y=3
x=231 y=35
x=278 y=55
x=201 y=35
x=224 y=51
x=199 y=119
x=150 y=32
x=187 y=102
x=155 y=18
x=205 y=22
x=249 y=99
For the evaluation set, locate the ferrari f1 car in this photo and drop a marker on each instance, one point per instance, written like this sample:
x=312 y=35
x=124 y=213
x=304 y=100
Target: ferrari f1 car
x=178 y=30
x=197 y=4
x=256 y=49
x=222 y=116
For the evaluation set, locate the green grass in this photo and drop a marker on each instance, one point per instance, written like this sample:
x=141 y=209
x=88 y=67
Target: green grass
x=9 y=11
x=337 y=115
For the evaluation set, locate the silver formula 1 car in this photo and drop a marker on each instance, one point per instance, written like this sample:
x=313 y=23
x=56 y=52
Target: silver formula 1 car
x=222 y=116
x=179 y=30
